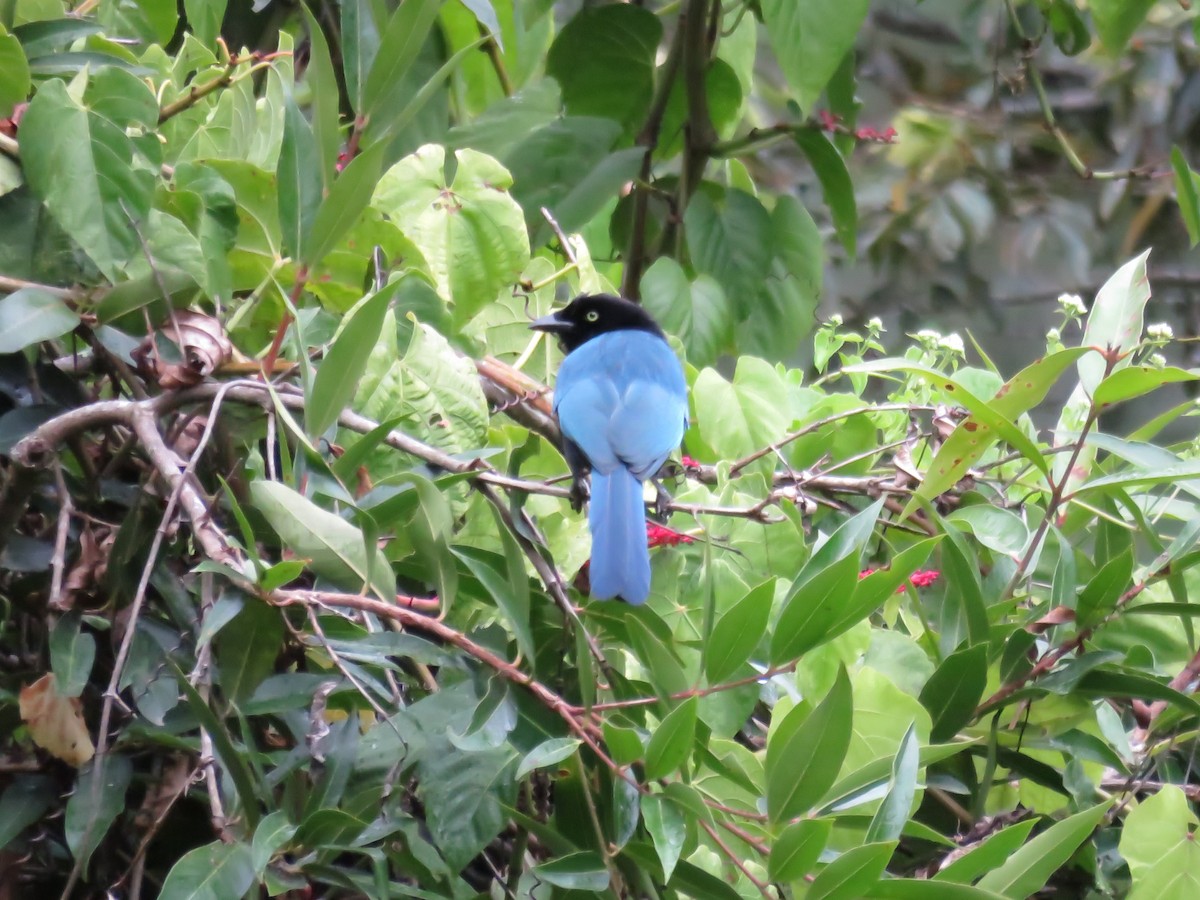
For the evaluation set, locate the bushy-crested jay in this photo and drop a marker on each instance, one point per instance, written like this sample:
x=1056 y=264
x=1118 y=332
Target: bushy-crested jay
x=621 y=402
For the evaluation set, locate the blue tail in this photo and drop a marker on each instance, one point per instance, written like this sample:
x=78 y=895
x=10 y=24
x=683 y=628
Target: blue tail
x=620 y=564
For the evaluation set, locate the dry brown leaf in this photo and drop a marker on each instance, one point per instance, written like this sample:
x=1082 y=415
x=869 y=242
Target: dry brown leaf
x=200 y=338
x=56 y=722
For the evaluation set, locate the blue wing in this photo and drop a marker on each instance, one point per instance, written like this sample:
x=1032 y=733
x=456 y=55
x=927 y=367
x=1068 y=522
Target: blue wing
x=622 y=398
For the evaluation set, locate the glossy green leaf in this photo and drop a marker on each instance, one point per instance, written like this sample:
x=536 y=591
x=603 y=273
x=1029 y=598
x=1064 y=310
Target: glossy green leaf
x=890 y=818
x=82 y=167
x=298 y=180
x=810 y=40
x=335 y=548
x=211 y=872
x=1100 y=594
x=98 y=799
x=795 y=852
x=31 y=315
x=603 y=59
x=360 y=44
x=399 y=46
x=72 y=653
x=1027 y=871
x=853 y=873
x=1136 y=381
x=469 y=230
x=672 y=742
x=953 y=691
x=1187 y=194
x=1158 y=842
x=729 y=238
x=576 y=871
x=805 y=752
x=14 y=73
x=23 y=803
x=204 y=18
x=737 y=632
x=810 y=613
x=272 y=834
x=343 y=365
x=546 y=754
x=1117 y=20
x=699 y=312
x=989 y=855
x=668 y=830
x=246 y=650
x=323 y=110
x=743 y=415
x=835 y=181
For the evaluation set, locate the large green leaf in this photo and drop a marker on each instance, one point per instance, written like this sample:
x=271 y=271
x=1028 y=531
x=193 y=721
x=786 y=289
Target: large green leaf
x=469 y=230
x=603 y=59
x=83 y=167
x=211 y=872
x=810 y=39
x=954 y=689
x=797 y=849
x=730 y=239
x=810 y=611
x=298 y=180
x=1117 y=20
x=31 y=315
x=699 y=313
x=335 y=548
x=738 y=632
x=98 y=799
x=735 y=418
x=1027 y=871
x=399 y=46
x=246 y=651
x=836 y=185
x=805 y=752
x=668 y=830
x=1158 y=842
x=672 y=742
x=14 y=73
x=851 y=875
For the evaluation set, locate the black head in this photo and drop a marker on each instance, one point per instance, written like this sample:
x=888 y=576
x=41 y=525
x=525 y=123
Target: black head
x=590 y=315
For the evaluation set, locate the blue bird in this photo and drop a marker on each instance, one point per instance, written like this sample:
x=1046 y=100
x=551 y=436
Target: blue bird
x=621 y=401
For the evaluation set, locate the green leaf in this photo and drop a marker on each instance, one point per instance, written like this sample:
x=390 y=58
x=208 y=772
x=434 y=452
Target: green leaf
x=72 y=653
x=31 y=315
x=953 y=691
x=1158 y=842
x=24 y=802
x=547 y=753
x=738 y=418
x=890 y=818
x=399 y=47
x=810 y=612
x=14 y=73
x=795 y=852
x=329 y=828
x=1187 y=194
x=1107 y=682
x=1100 y=594
x=923 y=889
x=997 y=529
x=730 y=239
x=836 y=185
x=584 y=871
x=1135 y=381
x=698 y=313
x=852 y=874
x=991 y=854
x=779 y=315
x=1027 y=871
x=49 y=35
x=335 y=548
x=805 y=752
x=360 y=44
x=552 y=160
x=1115 y=319
x=272 y=834
x=82 y=167
x=623 y=744
x=215 y=871
x=673 y=741
x=810 y=39
x=98 y=799
x=469 y=230
x=603 y=59
x=204 y=18
x=343 y=365
x=1071 y=34
x=668 y=830
x=1117 y=20
x=738 y=632
x=298 y=179
x=246 y=651
x=323 y=108
x=873 y=591
x=340 y=211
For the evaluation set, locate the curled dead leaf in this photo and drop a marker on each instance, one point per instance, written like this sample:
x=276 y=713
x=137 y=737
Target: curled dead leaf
x=87 y=574
x=56 y=722
x=1060 y=615
x=200 y=339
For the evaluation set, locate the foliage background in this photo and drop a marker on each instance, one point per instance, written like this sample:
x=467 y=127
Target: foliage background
x=293 y=600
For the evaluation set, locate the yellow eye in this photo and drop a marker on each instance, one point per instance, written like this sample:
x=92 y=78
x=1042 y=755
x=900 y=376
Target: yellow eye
x=593 y=316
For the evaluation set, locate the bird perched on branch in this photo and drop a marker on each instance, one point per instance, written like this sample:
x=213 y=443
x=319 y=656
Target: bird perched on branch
x=621 y=402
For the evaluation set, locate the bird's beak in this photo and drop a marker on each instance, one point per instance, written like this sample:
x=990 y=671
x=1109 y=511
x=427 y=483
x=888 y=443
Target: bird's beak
x=551 y=324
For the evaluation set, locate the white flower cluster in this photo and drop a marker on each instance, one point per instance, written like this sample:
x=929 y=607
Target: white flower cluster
x=1072 y=304
x=1160 y=332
